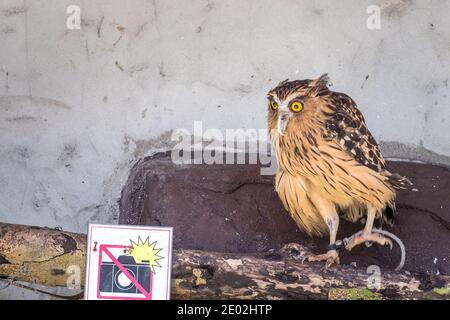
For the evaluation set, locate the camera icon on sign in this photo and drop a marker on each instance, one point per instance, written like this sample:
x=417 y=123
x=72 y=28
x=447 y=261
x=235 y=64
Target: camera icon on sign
x=130 y=277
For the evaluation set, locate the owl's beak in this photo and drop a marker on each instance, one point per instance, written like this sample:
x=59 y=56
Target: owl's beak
x=283 y=120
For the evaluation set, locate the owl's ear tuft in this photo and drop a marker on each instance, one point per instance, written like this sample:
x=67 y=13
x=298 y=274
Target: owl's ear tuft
x=319 y=87
x=283 y=82
x=324 y=80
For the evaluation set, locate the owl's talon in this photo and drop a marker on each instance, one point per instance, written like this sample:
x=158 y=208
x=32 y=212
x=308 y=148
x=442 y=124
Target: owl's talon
x=373 y=237
x=391 y=245
x=331 y=257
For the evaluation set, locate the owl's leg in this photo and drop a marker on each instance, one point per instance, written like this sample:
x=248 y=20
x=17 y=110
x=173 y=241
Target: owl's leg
x=332 y=255
x=367 y=234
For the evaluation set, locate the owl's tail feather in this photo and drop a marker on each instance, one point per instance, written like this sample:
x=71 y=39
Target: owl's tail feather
x=398 y=181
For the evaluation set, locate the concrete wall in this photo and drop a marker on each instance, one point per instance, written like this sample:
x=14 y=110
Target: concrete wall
x=78 y=107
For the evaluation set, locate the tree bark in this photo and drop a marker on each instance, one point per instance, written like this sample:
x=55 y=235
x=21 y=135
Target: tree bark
x=44 y=256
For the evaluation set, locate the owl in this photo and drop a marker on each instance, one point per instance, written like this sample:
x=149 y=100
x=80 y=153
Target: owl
x=329 y=164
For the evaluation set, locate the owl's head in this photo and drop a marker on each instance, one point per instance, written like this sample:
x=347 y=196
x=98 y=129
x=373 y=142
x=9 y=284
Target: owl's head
x=294 y=100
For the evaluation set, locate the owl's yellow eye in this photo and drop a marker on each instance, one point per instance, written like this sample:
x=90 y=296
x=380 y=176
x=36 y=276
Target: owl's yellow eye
x=274 y=105
x=296 y=106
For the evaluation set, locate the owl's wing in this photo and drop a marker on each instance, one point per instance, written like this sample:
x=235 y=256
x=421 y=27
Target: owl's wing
x=346 y=126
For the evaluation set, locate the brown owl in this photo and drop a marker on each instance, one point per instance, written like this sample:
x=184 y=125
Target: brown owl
x=329 y=165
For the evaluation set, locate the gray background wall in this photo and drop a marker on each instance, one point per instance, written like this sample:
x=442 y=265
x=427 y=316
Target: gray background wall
x=78 y=107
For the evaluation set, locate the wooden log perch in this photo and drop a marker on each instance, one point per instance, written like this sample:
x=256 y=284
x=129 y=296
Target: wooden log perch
x=43 y=256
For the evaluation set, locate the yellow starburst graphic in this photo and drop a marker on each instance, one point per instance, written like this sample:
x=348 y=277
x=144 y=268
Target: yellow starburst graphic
x=146 y=252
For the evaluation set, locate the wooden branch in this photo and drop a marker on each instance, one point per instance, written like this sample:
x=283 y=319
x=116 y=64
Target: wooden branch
x=43 y=256
x=40 y=255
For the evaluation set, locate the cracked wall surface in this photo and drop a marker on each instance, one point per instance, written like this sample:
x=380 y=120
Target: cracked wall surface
x=79 y=107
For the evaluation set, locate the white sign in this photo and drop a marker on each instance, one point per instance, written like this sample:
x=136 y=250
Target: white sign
x=128 y=262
